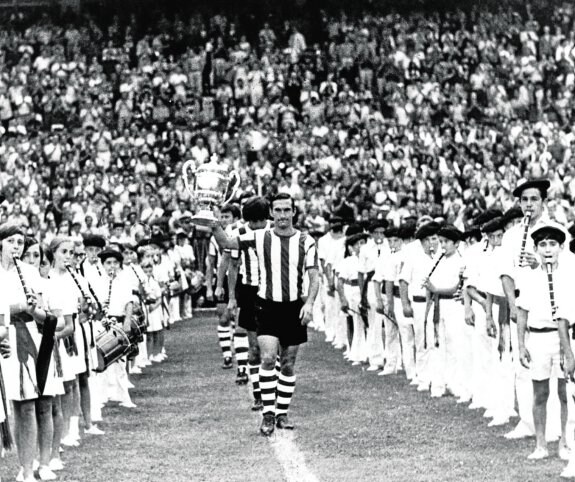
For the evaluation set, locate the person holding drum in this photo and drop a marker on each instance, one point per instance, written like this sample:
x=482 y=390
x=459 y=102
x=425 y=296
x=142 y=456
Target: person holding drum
x=117 y=295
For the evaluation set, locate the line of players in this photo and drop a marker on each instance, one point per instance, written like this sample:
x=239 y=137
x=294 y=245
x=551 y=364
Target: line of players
x=484 y=315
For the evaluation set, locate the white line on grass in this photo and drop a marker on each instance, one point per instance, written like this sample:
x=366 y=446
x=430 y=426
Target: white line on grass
x=291 y=457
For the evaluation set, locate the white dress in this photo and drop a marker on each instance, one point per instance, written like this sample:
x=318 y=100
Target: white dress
x=20 y=367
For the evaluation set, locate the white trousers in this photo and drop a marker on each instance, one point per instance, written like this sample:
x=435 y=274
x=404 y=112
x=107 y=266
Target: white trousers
x=375 y=347
x=407 y=338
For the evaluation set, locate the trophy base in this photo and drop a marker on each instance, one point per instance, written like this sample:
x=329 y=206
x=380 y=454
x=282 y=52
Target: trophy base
x=204 y=217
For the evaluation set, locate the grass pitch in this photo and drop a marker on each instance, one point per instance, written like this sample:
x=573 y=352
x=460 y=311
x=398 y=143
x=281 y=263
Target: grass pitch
x=194 y=424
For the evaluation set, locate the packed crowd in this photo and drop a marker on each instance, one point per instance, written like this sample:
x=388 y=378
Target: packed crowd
x=385 y=116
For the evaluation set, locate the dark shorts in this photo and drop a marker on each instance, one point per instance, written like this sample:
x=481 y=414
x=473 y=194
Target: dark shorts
x=281 y=320
x=246 y=296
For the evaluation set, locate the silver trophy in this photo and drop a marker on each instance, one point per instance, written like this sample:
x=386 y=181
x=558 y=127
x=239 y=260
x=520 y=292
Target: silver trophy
x=209 y=185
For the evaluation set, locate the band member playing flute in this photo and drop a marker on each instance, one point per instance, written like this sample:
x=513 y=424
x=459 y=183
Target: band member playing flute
x=538 y=341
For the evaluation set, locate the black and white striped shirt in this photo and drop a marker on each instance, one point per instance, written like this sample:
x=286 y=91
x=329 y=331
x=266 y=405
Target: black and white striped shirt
x=249 y=266
x=282 y=260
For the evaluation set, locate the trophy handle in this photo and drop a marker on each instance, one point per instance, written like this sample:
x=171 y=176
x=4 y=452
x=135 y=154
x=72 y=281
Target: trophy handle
x=189 y=165
x=234 y=178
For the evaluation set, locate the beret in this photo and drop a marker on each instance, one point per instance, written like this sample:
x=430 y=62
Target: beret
x=392 y=232
x=487 y=216
x=111 y=253
x=552 y=230
x=541 y=184
x=378 y=224
x=94 y=240
x=514 y=213
x=450 y=232
x=354 y=229
x=497 y=224
x=428 y=229
x=355 y=238
x=407 y=231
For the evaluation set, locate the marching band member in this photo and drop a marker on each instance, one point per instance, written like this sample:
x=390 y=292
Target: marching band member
x=48 y=406
x=350 y=296
x=384 y=277
x=153 y=301
x=117 y=294
x=538 y=310
x=374 y=252
x=93 y=272
x=451 y=355
x=491 y=357
x=416 y=264
x=334 y=252
x=519 y=257
x=23 y=287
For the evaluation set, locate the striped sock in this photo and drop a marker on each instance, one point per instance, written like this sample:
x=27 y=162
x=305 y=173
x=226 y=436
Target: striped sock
x=241 y=347
x=278 y=366
x=225 y=340
x=268 y=385
x=255 y=379
x=286 y=387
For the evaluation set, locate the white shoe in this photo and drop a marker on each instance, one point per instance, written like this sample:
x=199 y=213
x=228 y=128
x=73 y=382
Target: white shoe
x=94 y=430
x=474 y=406
x=96 y=419
x=565 y=453
x=423 y=387
x=415 y=382
x=45 y=473
x=356 y=363
x=128 y=405
x=568 y=471
x=20 y=476
x=130 y=385
x=372 y=368
x=136 y=371
x=386 y=371
x=437 y=394
x=35 y=465
x=463 y=400
x=70 y=442
x=538 y=454
x=488 y=413
x=56 y=465
x=518 y=433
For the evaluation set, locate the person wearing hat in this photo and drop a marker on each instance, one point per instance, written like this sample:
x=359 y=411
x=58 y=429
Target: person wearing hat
x=546 y=298
x=91 y=268
x=410 y=314
x=350 y=297
x=519 y=257
x=492 y=369
x=371 y=254
x=331 y=250
x=116 y=294
x=383 y=278
x=449 y=360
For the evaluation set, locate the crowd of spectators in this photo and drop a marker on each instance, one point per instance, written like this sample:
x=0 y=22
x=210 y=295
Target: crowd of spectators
x=385 y=116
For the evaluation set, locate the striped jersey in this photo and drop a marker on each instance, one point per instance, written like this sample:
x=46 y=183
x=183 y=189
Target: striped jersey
x=282 y=260
x=249 y=266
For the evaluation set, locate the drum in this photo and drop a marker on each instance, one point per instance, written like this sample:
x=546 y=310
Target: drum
x=137 y=329
x=111 y=345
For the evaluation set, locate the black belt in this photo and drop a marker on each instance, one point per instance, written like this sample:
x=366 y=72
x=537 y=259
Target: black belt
x=352 y=282
x=419 y=299
x=396 y=291
x=542 y=330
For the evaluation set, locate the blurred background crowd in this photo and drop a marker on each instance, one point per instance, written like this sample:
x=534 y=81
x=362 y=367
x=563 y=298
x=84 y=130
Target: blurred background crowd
x=372 y=114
